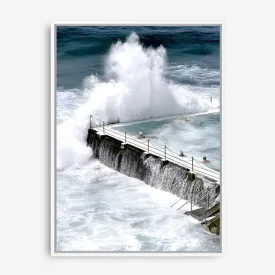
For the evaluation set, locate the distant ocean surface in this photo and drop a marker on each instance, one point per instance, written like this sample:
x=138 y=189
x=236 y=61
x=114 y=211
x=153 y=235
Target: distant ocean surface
x=82 y=51
x=121 y=74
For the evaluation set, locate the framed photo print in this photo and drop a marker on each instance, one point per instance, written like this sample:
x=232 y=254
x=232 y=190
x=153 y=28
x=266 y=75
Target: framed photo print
x=136 y=139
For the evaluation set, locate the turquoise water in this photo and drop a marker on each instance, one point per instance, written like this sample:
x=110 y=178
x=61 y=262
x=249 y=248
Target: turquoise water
x=198 y=137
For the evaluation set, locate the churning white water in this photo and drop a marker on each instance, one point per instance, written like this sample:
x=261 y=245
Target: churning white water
x=99 y=209
x=135 y=89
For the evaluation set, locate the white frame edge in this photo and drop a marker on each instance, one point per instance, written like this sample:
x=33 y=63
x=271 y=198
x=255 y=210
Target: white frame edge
x=53 y=140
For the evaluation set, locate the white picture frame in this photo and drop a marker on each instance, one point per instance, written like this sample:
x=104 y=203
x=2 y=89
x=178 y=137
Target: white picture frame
x=53 y=135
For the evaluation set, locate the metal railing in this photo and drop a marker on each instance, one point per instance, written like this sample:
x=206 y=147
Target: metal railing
x=207 y=204
x=150 y=147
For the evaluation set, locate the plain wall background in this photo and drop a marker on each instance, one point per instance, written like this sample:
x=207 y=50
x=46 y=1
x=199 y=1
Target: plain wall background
x=25 y=134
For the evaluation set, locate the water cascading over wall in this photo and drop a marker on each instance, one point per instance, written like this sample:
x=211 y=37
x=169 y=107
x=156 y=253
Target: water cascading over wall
x=133 y=162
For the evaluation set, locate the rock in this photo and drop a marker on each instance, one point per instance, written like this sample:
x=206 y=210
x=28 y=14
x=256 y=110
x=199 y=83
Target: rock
x=214 y=225
x=215 y=230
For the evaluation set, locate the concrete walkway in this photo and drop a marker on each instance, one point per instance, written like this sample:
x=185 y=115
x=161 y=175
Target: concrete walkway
x=151 y=148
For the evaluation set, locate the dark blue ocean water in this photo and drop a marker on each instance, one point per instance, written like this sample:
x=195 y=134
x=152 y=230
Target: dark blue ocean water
x=81 y=51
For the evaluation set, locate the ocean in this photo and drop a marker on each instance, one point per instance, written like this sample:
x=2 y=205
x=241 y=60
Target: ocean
x=125 y=74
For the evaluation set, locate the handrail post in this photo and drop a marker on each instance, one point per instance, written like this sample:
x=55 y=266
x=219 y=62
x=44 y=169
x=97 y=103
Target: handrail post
x=192 y=164
x=103 y=128
x=191 y=201
x=125 y=137
x=90 y=121
x=164 y=152
x=148 y=144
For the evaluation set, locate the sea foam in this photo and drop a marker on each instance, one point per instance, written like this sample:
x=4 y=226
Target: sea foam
x=134 y=88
